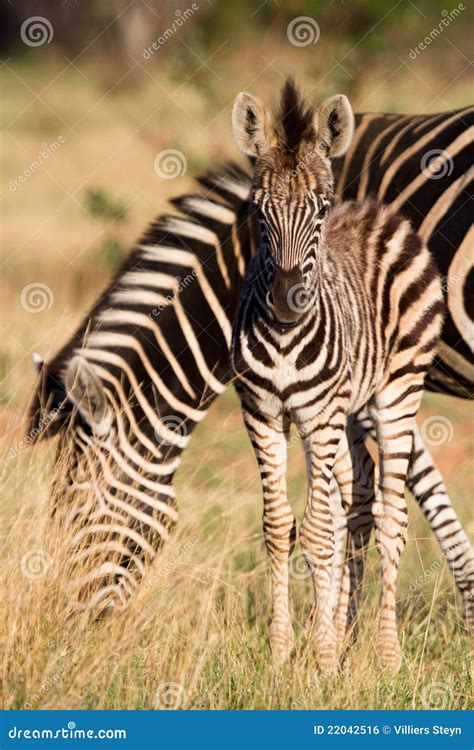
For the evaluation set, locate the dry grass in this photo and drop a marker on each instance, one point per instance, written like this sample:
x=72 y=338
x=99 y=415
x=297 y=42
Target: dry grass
x=196 y=634
x=197 y=637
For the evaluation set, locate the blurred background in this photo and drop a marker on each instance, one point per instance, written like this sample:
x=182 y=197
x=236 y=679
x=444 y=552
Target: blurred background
x=107 y=110
x=93 y=92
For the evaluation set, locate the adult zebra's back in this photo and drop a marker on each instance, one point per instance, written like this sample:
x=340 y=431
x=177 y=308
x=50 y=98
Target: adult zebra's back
x=154 y=353
x=423 y=166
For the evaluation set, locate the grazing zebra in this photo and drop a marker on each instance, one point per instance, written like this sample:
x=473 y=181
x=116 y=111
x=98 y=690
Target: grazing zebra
x=350 y=340
x=126 y=391
x=162 y=347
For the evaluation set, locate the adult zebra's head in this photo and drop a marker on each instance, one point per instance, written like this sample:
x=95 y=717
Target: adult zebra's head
x=112 y=495
x=292 y=187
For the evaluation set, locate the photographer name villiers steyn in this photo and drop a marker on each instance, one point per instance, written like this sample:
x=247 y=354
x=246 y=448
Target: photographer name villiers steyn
x=436 y=729
x=397 y=729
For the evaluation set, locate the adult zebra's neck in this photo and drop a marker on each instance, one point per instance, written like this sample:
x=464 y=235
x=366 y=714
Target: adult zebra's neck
x=159 y=336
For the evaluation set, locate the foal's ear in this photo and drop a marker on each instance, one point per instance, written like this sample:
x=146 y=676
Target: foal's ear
x=85 y=389
x=251 y=125
x=334 y=124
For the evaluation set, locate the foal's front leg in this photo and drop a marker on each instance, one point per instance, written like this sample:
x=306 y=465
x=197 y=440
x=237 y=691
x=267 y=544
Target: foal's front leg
x=270 y=441
x=317 y=534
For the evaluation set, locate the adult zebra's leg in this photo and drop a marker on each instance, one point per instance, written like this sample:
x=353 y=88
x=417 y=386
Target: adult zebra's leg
x=317 y=533
x=427 y=487
x=270 y=442
x=355 y=473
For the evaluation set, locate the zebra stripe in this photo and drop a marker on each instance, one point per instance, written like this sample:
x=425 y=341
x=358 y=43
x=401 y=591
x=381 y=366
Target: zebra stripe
x=358 y=339
x=385 y=159
x=187 y=335
x=433 y=208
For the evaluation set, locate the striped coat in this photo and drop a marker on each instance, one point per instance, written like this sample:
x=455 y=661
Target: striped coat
x=363 y=332
x=182 y=327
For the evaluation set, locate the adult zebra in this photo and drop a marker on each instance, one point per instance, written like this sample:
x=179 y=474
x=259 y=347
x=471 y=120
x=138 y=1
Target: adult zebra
x=152 y=355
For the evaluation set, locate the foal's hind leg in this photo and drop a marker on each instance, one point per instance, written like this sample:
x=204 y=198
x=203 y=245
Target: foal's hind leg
x=354 y=471
x=340 y=542
x=393 y=410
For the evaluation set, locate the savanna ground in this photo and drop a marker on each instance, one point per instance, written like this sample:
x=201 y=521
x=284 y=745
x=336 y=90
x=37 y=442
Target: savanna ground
x=196 y=635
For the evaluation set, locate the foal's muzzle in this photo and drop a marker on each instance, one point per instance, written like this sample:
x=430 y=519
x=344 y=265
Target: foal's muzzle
x=288 y=297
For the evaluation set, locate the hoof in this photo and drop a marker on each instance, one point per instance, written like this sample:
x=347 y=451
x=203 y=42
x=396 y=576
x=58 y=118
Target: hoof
x=341 y=627
x=390 y=655
x=281 y=644
x=328 y=657
x=328 y=664
x=468 y=608
x=327 y=644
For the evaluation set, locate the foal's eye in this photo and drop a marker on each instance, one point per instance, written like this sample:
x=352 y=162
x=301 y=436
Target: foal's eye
x=258 y=208
x=322 y=212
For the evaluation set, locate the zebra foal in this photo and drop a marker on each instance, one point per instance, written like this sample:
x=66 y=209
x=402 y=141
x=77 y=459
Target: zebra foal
x=341 y=307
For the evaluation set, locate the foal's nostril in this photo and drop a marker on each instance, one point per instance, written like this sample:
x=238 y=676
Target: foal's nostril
x=270 y=298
